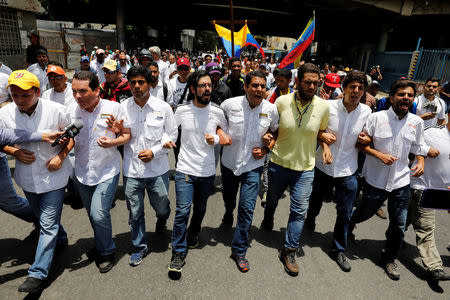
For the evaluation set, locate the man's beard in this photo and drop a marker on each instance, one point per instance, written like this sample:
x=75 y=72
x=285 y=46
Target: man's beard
x=201 y=100
x=304 y=97
x=153 y=79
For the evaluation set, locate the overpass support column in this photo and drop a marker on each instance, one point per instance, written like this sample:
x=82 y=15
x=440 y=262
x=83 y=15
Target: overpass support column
x=120 y=25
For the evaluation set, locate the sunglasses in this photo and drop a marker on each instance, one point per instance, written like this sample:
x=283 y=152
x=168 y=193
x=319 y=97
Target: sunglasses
x=109 y=72
x=56 y=77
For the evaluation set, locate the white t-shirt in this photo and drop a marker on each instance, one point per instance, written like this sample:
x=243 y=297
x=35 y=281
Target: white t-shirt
x=424 y=106
x=196 y=156
x=437 y=170
x=163 y=71
x=5 y=69
x=41 y=75
x=47 y=117
x=178 y=88
x=3 y=84
x=65 y=98
x=272 y=67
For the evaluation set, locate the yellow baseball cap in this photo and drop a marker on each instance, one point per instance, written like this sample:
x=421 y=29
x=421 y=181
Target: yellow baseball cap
x=23 y=79
x=110 y=65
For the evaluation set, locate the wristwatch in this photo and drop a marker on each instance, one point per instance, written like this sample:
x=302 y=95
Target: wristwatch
x=267 y=149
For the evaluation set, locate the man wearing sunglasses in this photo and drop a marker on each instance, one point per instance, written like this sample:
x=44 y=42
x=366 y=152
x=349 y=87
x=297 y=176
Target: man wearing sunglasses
x=115 y=88
x=123 y=64
x=62 y=90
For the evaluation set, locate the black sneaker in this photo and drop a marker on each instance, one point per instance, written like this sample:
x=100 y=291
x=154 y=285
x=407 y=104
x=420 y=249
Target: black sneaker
x=32 y=285
x=266 y=225
x=192 y=241
x=440 y=275
x=160 y=226
x=342 y=262
x=105 y=263
x=177 y=262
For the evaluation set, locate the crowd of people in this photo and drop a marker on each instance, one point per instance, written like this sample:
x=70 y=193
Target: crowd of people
x=318 y=133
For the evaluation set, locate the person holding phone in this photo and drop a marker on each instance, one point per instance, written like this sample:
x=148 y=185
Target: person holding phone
x=430 y=107
x=436 y=175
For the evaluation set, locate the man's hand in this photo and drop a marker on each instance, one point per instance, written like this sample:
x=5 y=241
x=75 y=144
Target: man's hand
x=327 y=157
x=169 y=145
x=433 y=152
x=54 y=164
x=25 y=156
x=52 y=136
x=324 y=95
x=114 y=125
x=209 y=139
x=327 y=137
x=419 y=167
x=105 y=142
x=145 y=155
x=364 y=139
x=428 y=116
x=387 y=159
x=267 y=139
x=258 y=153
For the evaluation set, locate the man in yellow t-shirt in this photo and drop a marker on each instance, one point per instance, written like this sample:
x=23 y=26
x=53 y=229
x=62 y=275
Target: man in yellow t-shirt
x=303 y=117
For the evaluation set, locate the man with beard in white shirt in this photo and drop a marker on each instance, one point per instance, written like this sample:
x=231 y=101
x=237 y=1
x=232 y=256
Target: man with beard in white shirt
x=395 y=133
x=162 y=66
x=249 y=119
x=42 y=171
x=340 y=162
x=436 y=175
x=146 y=162
x=97 y=160
x=62 y=90
x=430 y=107
x=98 y=63
x=195 y=172
x=40 y=68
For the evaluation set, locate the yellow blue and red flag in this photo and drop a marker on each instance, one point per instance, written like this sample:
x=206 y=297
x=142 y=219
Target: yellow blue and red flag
x=242 y=38
x=294 y=56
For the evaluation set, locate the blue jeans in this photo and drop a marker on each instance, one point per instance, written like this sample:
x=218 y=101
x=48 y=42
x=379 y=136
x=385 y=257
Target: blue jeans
x=247 y=198
x=346 y=188
x=10 y=202
x=97 y=200
x=159 y=200
x=300 y=183
x=48 y=208
x=189 y=189
x=398 y=202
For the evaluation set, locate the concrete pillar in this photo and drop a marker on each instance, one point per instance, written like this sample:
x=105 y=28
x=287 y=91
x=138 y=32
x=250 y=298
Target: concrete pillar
x=383 y=41
x=120 y=25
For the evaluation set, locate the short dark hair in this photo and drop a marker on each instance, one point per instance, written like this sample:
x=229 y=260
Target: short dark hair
x=55 y=63
x=207 y=55
x=400 y=84
x=307 y=68
x=353 y=76
x=250 y=75
x=233 y=59
x=433 y=79
x=88 y=76
x=40 y=51
x=154 y=64
x=286 y=73
x=193 y=80
x=139 y=71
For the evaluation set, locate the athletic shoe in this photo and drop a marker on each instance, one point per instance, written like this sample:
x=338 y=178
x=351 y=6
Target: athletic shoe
x=137 y=257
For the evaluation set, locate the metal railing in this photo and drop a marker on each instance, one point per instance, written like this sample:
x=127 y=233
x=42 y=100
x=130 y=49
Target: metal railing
x=433 y=63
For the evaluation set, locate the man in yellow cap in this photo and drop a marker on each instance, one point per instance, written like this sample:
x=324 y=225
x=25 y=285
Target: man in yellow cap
x=115 y=88
x=41 y=170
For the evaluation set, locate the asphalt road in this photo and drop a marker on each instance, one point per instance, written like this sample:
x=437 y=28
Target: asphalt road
x=209 y=272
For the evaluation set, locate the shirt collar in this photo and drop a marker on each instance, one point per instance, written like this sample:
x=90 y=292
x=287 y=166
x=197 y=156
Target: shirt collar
x=394 y=116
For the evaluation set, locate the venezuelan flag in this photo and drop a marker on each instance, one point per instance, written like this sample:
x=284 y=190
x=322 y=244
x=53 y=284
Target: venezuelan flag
x=294 y=56
x=225 y=36
x=250 y=40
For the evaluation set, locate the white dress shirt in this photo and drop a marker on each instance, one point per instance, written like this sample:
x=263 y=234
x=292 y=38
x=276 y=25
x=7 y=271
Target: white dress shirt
x=397 y=138
x=41 y=75
x=246 y=127
x=437 y=170
x=424 y=106
x=94 y=164
x=163 y=71
x=346 y=127
x=65 y=97
x=151 y=126
x=196 y=156
x=47 y=117
x=158 y=92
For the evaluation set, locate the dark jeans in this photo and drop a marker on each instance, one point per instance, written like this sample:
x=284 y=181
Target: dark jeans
x=189 y=190
x=247 y=198
x=346 y=188
x=398 y=202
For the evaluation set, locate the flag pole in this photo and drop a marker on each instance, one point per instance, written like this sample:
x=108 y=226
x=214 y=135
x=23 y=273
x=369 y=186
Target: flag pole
x=232 y=28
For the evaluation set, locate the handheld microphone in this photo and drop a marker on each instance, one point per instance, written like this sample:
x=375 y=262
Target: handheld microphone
x=71 y=131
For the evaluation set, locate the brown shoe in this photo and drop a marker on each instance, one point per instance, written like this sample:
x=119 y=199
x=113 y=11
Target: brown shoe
x=287 y=257
x=380 y=213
